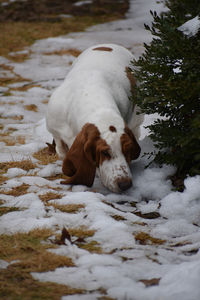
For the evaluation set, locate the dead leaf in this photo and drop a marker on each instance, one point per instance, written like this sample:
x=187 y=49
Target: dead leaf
x=51 y=147
x=150 y=282
x=65 y=235
x=150 y=215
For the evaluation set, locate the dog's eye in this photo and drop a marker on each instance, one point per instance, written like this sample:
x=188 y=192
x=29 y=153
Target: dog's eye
x=105 y=153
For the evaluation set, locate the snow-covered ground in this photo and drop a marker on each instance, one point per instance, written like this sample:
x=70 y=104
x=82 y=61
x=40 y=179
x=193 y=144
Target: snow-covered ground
x=149 y=236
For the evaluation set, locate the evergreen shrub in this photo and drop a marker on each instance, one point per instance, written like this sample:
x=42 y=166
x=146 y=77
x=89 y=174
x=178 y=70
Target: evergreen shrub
x=168 y=76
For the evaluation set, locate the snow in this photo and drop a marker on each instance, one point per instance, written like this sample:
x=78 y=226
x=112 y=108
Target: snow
x=151 y=206
x=6 y=3
x=14 y=172
x=3 y=264
x=191 y=27
x=80 y=3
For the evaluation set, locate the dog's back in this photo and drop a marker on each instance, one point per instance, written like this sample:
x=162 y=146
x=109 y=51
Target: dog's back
x=97 y=81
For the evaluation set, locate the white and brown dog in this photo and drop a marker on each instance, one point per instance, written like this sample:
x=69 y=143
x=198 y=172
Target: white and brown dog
x=92 y=120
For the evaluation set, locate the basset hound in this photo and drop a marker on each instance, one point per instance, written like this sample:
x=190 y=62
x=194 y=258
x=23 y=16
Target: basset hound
x=94 y=124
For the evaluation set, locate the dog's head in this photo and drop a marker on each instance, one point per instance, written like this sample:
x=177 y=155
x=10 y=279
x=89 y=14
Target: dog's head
x=112 y=156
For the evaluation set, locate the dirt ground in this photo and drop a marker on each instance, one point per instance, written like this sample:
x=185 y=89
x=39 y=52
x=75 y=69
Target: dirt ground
x=50 y=10
x=24 y=21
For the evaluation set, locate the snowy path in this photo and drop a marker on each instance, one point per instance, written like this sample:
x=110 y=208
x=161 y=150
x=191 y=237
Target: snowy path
x=145 y=242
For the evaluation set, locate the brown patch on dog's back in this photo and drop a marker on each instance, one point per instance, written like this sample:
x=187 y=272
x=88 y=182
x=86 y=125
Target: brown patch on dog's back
x=112 y=128
x=103 y=49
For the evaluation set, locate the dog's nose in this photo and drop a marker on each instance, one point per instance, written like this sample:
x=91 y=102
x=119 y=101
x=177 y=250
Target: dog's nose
x=124 y=184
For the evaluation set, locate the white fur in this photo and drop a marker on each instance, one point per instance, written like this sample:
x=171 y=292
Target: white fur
x=115 y=168
x=97 y=91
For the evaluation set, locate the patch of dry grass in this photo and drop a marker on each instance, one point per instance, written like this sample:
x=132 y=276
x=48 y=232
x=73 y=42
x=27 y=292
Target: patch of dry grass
x=73 y=52
x=25 y=165
x=10 y=140
x=15 y=36
x=16 y=281
x=67 y=208
x=4 y=210
x=17 y=284
x=2 y=179
x=11 y=103
x=7 y=103
x=24 y=87
x=145 y=239
x=56 y=177
x=57 y=189
x=150 y=282
x=139 y=223
x=15 y=118
x=31 y=107
x=19 y=57
x=46 y=101
x=23 y=246
x=50 y=196
x=45 y=157
x=81 y=232
x=6 y=67
x=5 y=81
x=92 y=246
x=17 y=191
x=118 y=218
x=42 y=261
x=21 y=140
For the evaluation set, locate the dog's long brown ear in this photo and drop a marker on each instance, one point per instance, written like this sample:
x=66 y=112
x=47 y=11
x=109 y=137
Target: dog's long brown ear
x=130 y=146
x=79 y=164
